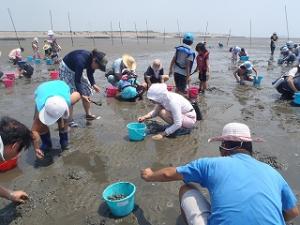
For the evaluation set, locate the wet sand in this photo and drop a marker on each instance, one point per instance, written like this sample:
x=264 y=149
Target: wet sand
x=69 y=191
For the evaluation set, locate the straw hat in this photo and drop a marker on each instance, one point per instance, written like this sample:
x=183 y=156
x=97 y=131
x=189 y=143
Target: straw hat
x=129 y=62
x=54 y=108
x=238 y=132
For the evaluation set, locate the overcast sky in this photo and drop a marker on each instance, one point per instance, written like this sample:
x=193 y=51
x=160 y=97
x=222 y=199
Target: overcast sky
x=267 y=16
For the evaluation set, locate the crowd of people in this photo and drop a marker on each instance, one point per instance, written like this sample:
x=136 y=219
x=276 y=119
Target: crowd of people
x=242 y=190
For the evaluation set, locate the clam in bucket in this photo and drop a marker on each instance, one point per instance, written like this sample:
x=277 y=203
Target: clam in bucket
x=297 y=98
x=8 y=83
x=9 y=164
x=136 y=131
x=193 y=92
x=257 y=80
x=54 y=75
x=111 y=91
x=124 y=206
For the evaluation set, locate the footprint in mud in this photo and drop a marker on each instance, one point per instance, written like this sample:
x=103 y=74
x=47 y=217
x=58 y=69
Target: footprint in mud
x=247 y=114
x=270 y=160
x=216 y=90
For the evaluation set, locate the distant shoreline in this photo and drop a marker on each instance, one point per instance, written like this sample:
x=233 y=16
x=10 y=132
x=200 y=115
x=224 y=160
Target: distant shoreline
x=10 y=35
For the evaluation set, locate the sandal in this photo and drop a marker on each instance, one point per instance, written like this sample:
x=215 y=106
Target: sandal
x=72 y=124
x=90 y=117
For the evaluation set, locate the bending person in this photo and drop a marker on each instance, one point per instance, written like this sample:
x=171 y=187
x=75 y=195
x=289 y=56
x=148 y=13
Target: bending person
x=71 y=71
x=173 y=108
x=244 y=73
x=14 y=137
x=242 y=190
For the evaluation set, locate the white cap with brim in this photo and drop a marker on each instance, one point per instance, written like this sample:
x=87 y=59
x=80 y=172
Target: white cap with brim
x=237 y=132
x=55 y=107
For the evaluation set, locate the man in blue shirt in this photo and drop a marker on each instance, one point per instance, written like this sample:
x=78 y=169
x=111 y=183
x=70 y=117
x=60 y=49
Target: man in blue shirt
x=242 y=190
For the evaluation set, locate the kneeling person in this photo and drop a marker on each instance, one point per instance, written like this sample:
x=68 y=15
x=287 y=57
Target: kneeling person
x=155 y=73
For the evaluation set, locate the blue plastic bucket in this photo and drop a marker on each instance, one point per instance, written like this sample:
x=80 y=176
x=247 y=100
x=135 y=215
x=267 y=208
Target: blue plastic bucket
x=30 y=58
x=244 y=58
x=257 y=80
x=37 y=61
x=124 y=206
x=297 y=98
x=136 y=131
x=49 y=61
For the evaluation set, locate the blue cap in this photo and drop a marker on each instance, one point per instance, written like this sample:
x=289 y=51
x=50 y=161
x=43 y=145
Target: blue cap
x=188 y=37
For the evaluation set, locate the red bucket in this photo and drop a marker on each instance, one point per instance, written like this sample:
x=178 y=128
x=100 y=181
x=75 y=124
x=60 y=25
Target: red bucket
x=111 y=91
x=8 y=83
x=170 y=87
x=11 y=76
x=9 y=164
x=54 y=75
x=193 y=92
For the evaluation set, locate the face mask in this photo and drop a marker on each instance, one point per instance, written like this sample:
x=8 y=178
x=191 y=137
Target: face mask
x=1 y=150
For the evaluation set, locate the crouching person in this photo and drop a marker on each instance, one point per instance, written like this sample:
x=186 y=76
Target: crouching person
x=52 y=101
x=14 y=137
x=242 y=190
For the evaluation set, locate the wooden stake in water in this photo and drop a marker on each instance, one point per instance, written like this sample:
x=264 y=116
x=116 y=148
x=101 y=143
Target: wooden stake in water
x=136 y=33
x=205 y=31
x=121 y=33
x=12 y=21
x=250 y=34
x=287 y=23
x=147 y=31
x=229 y=34
x=71 y=33
x=164 y=35
x=51 y=22
x=179 y=33
x=111 y=34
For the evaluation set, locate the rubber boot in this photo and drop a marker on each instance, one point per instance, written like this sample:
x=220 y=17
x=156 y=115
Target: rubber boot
x=64 y=140
x=46 y=142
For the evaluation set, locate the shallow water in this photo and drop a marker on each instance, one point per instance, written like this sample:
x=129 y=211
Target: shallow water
x=69 y=191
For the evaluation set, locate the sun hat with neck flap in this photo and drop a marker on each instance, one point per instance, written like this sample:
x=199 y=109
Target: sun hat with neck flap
x=237 y=132
x=158 y=92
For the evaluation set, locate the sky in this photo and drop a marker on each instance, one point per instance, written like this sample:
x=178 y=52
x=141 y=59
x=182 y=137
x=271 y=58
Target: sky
x=267 y=16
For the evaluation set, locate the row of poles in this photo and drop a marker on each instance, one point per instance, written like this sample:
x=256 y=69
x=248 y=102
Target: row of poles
x=147 y=30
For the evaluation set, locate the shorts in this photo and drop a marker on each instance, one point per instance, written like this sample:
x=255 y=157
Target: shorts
x=196 y=208
x=203 y=76
x=68 y=76
x=180 y=82
x=189 y=119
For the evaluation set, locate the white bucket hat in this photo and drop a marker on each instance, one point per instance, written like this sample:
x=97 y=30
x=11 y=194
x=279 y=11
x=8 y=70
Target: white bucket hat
x=50 y=33
x=54 y=108
x=238 y=132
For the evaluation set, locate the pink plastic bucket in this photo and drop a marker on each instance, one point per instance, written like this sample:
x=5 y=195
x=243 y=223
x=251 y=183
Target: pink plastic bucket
x=11 y=76
x=111 y=91
x=170 y=87
x=8 y=165
x=8 y=83
x=54 y=75
x=193 y=92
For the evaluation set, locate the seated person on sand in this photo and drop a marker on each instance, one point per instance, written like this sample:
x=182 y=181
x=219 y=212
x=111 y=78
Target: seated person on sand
x=290 y=83
x=242 y=190
x=129 y=88
x=52 y=103
x=173 y=108
x=114 y=75
x=244 y=73
x=14 y=137
x=155 y=73
x=24 y=70
x=15 y=55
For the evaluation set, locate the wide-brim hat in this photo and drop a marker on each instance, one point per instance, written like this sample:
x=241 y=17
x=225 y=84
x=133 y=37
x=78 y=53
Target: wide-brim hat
x=129 y=62
x=55 y=108
x=237 y=132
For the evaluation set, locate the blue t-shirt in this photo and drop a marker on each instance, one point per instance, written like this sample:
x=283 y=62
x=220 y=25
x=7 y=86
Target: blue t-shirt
x=243 y=191
x=77 y=61
x=50 y=89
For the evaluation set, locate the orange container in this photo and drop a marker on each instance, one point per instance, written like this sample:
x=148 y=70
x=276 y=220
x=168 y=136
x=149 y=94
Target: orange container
x=9 y=164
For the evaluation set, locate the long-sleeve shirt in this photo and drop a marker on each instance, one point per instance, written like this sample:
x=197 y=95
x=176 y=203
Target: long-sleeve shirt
x=177 y=106
x=77 y=61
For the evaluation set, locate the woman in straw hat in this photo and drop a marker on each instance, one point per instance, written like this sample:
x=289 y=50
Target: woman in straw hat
x=242 y=190
x=115 y=74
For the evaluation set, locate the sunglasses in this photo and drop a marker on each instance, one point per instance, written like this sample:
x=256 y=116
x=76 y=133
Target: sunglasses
x=229 y=149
